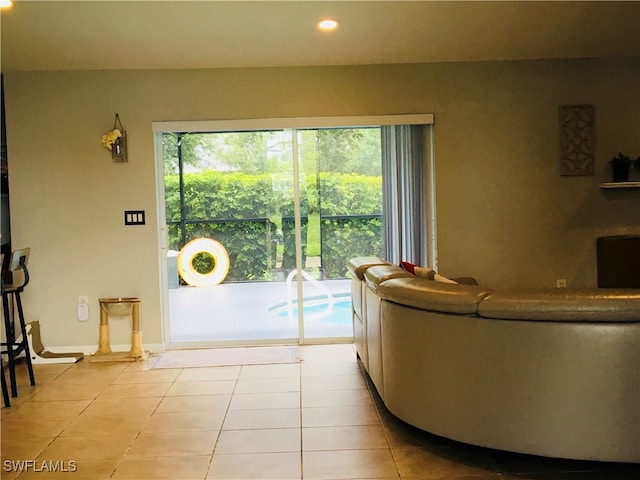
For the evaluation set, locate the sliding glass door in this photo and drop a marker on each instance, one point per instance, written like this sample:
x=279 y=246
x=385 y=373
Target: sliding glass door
x=288 y=208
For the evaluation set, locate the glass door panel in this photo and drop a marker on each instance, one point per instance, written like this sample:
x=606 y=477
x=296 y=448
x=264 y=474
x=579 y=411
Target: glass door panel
x=235 y=188
x=341 y=204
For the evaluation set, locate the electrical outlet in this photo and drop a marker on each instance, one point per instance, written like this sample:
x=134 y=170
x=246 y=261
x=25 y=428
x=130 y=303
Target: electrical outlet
x=561 y=283
x=82 y=309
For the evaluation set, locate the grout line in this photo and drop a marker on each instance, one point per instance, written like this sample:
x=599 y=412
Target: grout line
x=224 y=418
x=137 y=435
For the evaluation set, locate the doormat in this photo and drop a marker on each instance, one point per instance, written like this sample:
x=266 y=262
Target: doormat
x=219 y=357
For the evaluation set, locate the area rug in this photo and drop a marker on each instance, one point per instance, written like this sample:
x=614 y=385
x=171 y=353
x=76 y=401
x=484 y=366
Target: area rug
x=218 y=357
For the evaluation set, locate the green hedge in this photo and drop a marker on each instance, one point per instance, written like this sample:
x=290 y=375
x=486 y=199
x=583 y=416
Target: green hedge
x=254 y=222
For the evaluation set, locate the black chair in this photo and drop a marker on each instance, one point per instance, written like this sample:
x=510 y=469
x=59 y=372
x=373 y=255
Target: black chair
x=11 y=295
x=5 y=390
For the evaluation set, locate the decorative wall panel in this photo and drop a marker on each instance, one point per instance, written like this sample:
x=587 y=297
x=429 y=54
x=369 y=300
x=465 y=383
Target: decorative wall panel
x=576 y=139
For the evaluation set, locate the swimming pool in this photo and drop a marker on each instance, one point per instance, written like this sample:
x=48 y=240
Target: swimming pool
x=318 y=309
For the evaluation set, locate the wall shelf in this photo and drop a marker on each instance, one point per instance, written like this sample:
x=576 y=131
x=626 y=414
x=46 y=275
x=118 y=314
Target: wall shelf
x=620 y=185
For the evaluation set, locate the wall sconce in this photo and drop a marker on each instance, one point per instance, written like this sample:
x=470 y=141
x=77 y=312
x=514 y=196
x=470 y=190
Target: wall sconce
x=116 y=141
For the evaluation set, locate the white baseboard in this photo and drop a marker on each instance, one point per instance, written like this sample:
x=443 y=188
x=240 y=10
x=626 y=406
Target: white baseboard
x=91 y=349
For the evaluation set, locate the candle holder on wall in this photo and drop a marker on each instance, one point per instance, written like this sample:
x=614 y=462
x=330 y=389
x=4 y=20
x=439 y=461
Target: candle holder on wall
x=116 y=141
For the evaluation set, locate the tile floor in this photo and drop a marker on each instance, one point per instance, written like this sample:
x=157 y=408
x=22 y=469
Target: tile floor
x=318 y=419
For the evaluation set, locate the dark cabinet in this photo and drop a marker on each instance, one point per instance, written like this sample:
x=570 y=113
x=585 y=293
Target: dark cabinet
x=619 y=261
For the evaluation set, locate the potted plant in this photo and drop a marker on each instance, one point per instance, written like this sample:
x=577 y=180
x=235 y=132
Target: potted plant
x=621 y=165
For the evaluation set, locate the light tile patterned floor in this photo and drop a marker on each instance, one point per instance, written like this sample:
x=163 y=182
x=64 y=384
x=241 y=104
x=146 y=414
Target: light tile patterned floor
x=318 y=419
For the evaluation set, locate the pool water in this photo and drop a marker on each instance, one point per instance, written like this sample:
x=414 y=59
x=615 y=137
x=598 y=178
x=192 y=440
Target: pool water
x=316 y=308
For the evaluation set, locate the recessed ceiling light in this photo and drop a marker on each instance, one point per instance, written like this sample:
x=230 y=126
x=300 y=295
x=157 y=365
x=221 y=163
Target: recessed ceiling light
x=5 y=3
x=327 y=25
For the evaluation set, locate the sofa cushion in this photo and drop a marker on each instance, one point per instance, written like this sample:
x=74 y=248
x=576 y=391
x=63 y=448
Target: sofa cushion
x=425 y=272
x=563 y=304
x=418 y=271
x=432 y=295
x=409 y=267
x=359 y=265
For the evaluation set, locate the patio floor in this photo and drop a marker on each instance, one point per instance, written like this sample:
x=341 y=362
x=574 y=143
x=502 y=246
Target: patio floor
x=239 y=312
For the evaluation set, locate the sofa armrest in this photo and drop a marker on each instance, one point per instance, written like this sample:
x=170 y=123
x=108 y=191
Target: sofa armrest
x=376 y=275
x=357 y=266
x=432 y=295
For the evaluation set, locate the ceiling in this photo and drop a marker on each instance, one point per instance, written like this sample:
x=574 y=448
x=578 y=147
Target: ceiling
x=99 y=35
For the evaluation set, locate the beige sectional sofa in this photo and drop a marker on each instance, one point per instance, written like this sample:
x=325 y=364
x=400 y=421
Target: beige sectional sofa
x=552 y=372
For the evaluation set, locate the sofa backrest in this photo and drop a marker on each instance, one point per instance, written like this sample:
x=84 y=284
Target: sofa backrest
x=564 y=304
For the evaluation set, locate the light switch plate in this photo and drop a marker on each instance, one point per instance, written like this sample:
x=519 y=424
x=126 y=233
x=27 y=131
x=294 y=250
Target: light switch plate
x=134 y=217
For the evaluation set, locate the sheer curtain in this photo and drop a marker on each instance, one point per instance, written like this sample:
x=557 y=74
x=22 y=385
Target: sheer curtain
x=409 y=229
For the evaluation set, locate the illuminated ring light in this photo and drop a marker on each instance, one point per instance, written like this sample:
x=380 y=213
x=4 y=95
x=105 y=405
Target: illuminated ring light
x=220 y=262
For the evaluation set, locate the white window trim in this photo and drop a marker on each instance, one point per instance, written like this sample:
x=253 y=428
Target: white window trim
x=296 y=122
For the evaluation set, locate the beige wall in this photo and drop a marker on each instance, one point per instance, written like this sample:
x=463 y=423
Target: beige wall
x=505 y=215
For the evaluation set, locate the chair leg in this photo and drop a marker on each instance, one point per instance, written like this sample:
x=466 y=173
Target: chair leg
x=5 y=390
x=10 y=338
x=25 y=343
